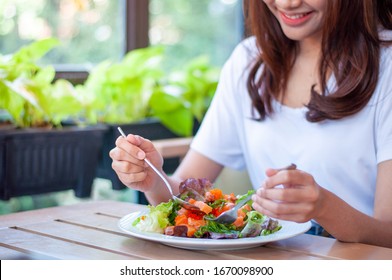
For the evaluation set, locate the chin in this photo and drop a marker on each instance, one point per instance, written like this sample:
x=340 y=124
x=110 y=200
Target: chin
x=300 y=35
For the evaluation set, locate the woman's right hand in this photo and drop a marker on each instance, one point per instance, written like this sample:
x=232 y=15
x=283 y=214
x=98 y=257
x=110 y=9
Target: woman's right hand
x=128 y=162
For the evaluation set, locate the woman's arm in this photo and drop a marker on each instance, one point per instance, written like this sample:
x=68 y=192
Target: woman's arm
x=303 y=199
x=348 y=224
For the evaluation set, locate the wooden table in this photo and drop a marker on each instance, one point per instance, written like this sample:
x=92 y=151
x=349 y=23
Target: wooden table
x=89 y=231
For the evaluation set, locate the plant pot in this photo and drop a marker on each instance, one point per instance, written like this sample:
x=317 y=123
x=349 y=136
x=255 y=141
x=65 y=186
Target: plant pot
x=36 y=161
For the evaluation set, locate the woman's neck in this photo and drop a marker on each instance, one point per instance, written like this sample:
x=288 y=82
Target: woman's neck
x=310 y=48
x=303 y=75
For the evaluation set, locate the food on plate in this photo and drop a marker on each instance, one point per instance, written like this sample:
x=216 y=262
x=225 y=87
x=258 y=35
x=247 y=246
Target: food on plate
x=170 y=218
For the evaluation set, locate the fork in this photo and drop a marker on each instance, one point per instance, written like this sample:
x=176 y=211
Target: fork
x=182 y=202
x=229 y=216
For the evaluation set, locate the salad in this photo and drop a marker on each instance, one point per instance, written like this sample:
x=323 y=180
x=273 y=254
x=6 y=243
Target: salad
x=171 y=219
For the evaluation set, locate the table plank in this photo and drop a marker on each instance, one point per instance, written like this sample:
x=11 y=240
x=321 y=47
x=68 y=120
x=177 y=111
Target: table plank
x=89 y=231
x=324 y=246
x=9 y=253
x=111 y=242
x=109 y=223
x=28 y=245
x=114 y=208
x=266 y=253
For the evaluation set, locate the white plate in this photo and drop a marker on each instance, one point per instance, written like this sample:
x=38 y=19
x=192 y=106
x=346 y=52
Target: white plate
x=289 y=229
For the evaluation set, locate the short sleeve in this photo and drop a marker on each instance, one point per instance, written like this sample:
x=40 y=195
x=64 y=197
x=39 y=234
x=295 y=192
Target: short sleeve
x=384 y=110
x=218 y=137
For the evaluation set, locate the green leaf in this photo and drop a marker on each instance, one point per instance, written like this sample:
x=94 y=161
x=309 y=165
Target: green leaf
x=35 y=50
x=30 y=96
x=120 y=93
x=179 y=121
x=63 y=104
x=162 y=102
x=45 y=76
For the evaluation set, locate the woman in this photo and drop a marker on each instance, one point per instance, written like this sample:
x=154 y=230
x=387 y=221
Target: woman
x=310 y=87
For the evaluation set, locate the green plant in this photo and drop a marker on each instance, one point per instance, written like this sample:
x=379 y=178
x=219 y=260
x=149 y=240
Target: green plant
x=28 y=91
x=185 y=95
x=118 y=93
x=137 y=88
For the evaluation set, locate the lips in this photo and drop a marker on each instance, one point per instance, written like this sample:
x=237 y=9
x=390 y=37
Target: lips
x=295 y=19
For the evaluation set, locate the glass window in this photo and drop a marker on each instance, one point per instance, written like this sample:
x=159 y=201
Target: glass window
x=193 y=27
x=90 y=30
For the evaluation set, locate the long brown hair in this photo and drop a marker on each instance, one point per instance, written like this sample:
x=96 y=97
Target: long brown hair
x=350 y=49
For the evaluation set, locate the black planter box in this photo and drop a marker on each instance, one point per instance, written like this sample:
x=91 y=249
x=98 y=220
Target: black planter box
x=36 y=161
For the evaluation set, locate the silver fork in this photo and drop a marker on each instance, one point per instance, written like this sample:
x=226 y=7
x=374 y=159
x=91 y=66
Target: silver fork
x=182 y=202
x=231 y=215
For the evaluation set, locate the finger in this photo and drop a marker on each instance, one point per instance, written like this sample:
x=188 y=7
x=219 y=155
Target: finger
x=284 y=208
x=273 y=209
x=133 y=180
x=272 y=171
x=292 y=194
x=288 y=178
x=297 y=217
x=125 y=166
x=128 y=155
x=144 y=144
x=132 y=145
x=132 y=138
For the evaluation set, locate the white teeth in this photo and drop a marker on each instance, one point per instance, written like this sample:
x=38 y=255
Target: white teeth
x=297 y=16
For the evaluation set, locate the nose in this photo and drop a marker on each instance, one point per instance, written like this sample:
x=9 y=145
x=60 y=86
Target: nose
x=288 y=4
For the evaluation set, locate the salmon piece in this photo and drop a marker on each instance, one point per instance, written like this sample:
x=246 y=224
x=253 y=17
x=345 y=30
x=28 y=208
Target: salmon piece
x=182 y=211
x=181 y=220
x=243 y=210
x=209 y=197
x=192 y=201
x=203 y=207
x=196 y=223
x=217 y=193
x=239 y=222
x=219 y=210
x=230 y=197
x=191 y=231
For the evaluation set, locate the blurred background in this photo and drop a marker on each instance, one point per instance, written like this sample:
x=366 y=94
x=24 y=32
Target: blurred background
x=92 y=31
x=95 y=30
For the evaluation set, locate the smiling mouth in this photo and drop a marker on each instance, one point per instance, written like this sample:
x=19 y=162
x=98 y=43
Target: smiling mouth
x=296 y=16
x=295 y=19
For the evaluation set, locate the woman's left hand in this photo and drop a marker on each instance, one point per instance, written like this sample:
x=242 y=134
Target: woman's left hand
x=299 y=199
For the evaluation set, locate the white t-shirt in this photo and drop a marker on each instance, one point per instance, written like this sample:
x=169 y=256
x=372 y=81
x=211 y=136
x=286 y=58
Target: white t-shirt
x=342 y=155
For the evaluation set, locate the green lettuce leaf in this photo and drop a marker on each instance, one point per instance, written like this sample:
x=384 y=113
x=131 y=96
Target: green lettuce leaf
x=253 y=226
x=157 y=219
